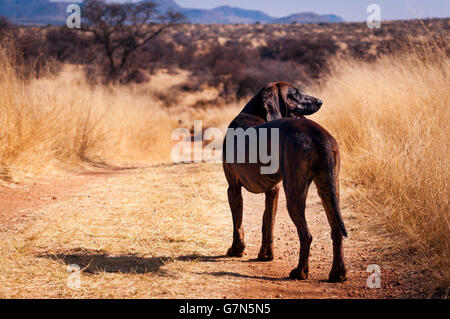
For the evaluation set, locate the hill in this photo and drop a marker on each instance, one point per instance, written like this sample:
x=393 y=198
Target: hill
x=40 y=12
x=308 y=17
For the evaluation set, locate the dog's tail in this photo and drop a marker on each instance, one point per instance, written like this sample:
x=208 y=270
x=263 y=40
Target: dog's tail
x=337 y=210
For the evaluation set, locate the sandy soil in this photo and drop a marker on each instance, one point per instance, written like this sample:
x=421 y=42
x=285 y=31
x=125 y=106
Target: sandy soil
x=207 y=273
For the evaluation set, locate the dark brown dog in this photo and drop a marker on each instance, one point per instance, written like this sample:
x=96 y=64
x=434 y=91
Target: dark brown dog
x=307 y=153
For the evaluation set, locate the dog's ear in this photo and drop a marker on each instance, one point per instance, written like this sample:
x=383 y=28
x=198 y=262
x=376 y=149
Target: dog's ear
x=283 y=102
x=272 y=103
x=289 y=96
x=268 y=104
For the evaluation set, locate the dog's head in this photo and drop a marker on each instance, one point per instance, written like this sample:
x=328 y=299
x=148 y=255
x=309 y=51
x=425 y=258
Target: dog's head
x=281 y=99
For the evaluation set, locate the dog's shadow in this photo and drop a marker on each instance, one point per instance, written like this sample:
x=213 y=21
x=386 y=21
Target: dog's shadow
x=98 y=262
x=95 y=262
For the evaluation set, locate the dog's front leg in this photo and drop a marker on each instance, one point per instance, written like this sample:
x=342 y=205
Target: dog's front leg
x=236 y=206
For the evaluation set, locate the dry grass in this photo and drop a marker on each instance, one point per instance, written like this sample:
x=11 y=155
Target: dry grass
x=63 y=120
x=391 y=119
x=142 y=244
x=53 y=122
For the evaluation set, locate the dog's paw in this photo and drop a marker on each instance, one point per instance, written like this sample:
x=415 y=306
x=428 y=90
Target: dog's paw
x=265 y=255
x=298 y=274
x=337 y=273
x=337 y=277
x=236 y=250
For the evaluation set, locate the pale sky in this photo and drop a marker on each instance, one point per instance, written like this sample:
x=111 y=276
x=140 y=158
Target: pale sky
x=349 y=10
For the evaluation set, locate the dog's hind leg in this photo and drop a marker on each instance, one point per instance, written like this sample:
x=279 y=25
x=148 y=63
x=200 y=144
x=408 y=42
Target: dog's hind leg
x=296 y=200
x=327 y=183
x=236 y=206
x=266 y=251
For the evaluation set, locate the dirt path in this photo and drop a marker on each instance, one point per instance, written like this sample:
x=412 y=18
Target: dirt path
x=18 y=199
x=361 y=249
x=162 y=231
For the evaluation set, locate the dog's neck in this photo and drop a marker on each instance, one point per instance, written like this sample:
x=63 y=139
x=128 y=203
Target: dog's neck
x=254 y=108
x=251 y=115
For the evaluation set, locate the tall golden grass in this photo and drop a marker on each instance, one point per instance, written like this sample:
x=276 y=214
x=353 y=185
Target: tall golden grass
x=63 y=120
x=391 y=119
x=57 y=120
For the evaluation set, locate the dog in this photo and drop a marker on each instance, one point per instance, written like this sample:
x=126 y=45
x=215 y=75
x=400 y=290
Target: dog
x=307 y=152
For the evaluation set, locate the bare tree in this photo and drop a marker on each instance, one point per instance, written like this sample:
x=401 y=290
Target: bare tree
x=121 y=29
x=5 y=26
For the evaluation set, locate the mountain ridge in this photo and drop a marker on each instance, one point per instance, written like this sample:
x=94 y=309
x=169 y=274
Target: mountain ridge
x=38 y=12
